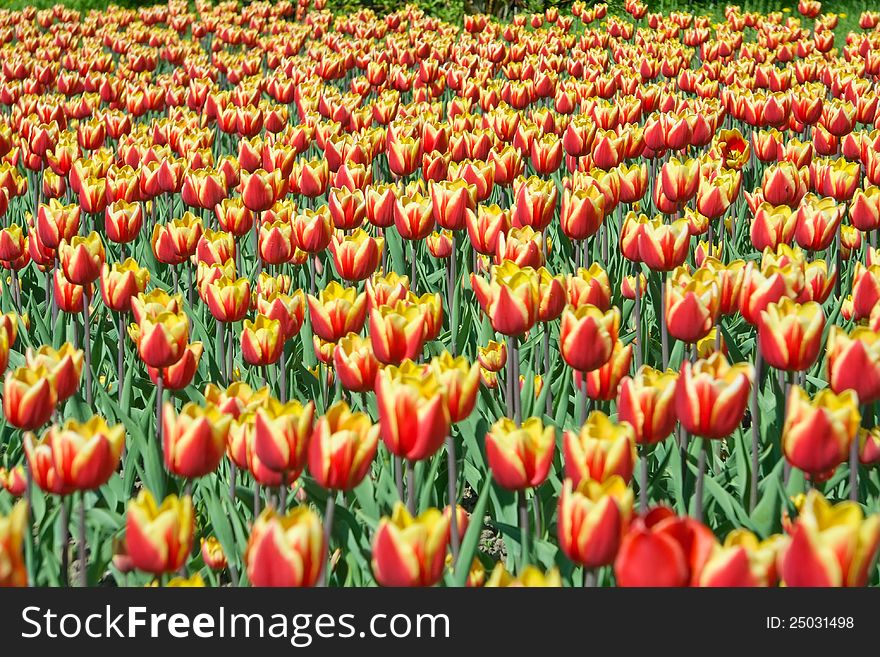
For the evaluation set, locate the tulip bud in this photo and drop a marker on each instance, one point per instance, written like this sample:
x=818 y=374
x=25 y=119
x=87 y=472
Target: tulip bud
x=410 y=551
x=520 y=457
x=281 y=435
x=75 y=457
x=337 y=311
x=853 y=362
x=194 y=440
x=587 y=336
x=592 y=520
x=789 y=334
x=342 y=447
x=13 y=531
x=645 y=401
x=460 y=379
x=661 y=549
x=212 y=554
x=692 y=306
x=29 y=397
x=711 y=396
x=531 y=577
x=743 y=560
x=64 y=367
x=601 y=449
x=162 y=340
x=159 y=538
x=510 y=299
x=831 y=545
x=121 y=282
x=286 y=550
x=413 y=412
x=817 y=434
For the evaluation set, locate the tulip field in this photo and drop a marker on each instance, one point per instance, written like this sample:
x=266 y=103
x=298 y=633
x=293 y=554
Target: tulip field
x=572 y=298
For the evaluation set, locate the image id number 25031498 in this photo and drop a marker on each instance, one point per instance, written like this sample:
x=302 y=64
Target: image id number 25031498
x=810 y=622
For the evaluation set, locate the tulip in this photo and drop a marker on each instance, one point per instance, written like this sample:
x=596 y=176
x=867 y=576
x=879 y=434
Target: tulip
x=589 y=286
x=337 y=311
x=162 y=340
x=64 y=367
x=661 y=549
x=817 y=222
x=288 y=309
x=179 y=375
x=772 y=226
x=784 y=184
x=236 y=399
x=460 y=379
x=679 y=180
x=582 y=213
x=534 y=203
x=789 y=334
x=397 y=333
x=228 y=299
x=592 y=519
x=76 y=456
x=413 y=217
x=212 y=553
x=440 y=245
x=692 y=307
x=743 y=560
x=356 y=255
x=413 y=412
x=29 y=397
x=13 y=243
x=57 y=222
x=13 y=530
x=451 y=201
x=122 y=281
x=817 y=284
x=262 y=341
x=260 y=189
x=485 y=226
x=159 y=538
x=853 y=362
x=817 y=434
x=342 y=447
x=153 y=303
x=410 y=551
x=865 y=289
x=510 y=299
x=123 y=221
x=645 y=401
x=864 y=209
x=312 y=231
x=14 y=481
x=286 y=550
x=761 y=287
x=520 y=457
x=194 y=439
x=215 y=247
x=493 y=356
x=531 y=577
x=663 y=247
x=523 y=246
x=281 y=435
x=716 y=193
x=711 y=396
x=275 y=242
x=601 y=449
x=587 y=336
x=355 y=363
x=831 y=545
